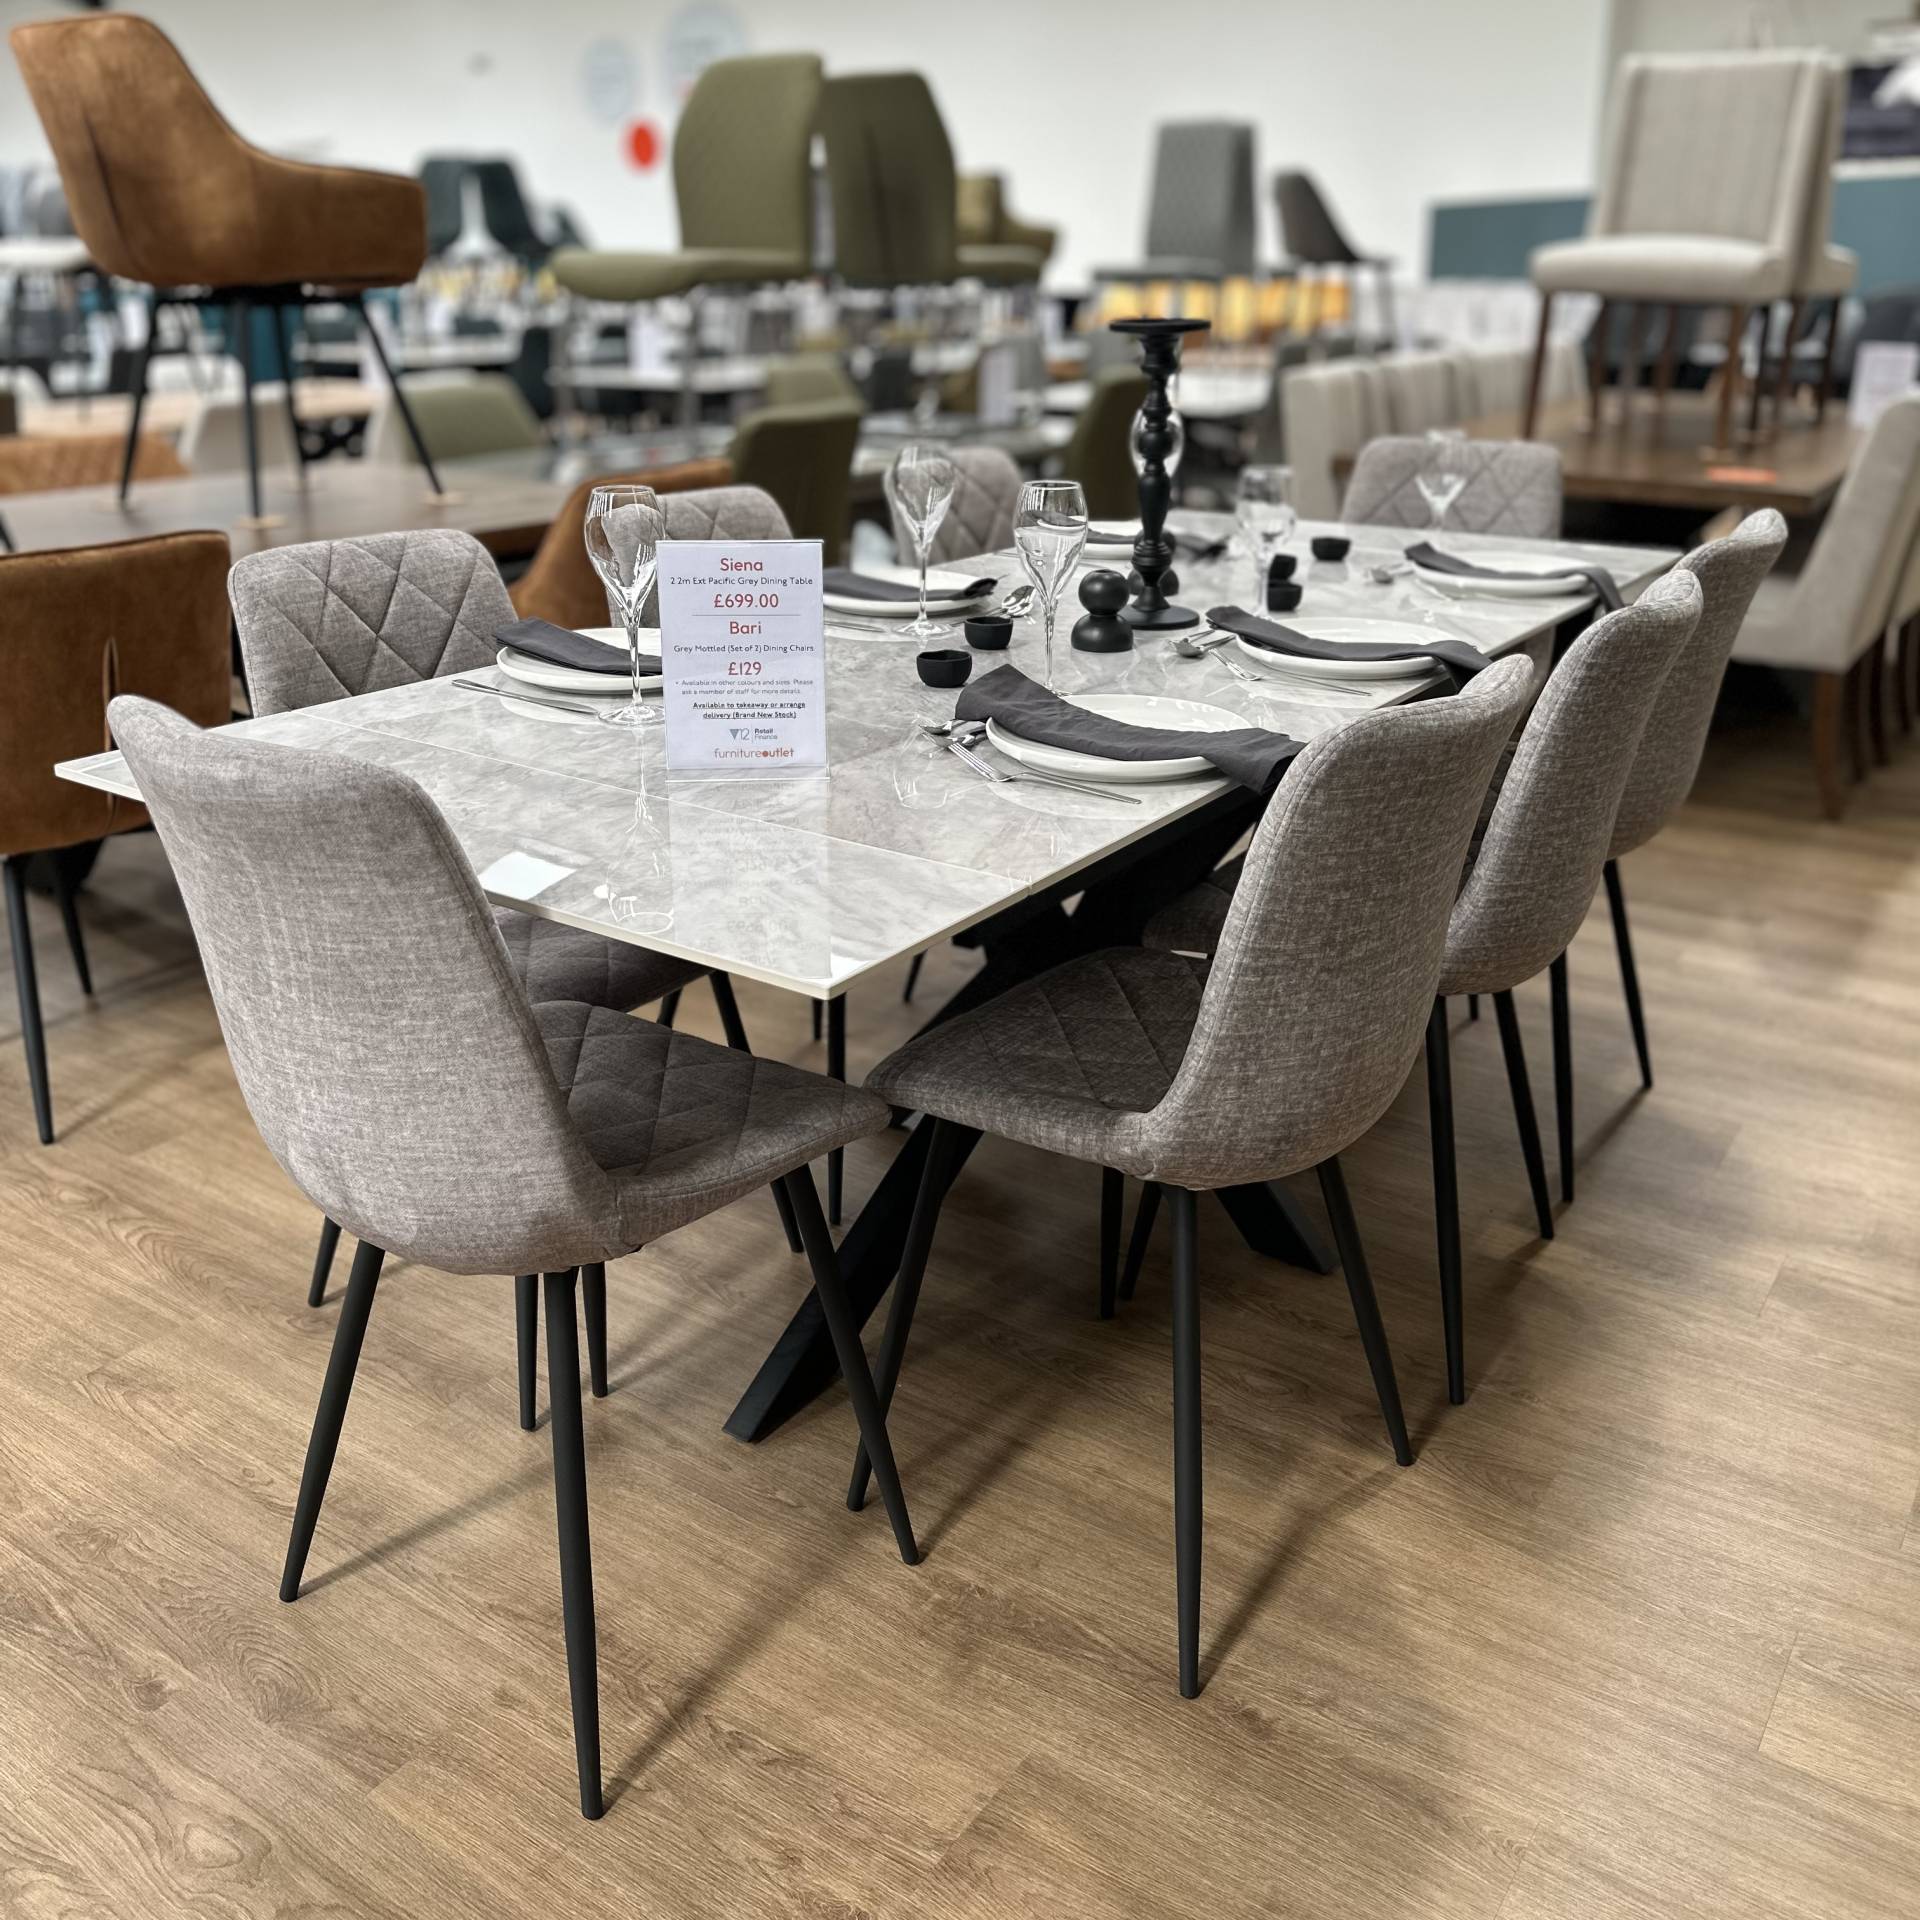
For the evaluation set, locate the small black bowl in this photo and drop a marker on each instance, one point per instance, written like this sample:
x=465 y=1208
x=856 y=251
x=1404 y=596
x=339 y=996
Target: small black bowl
x=1282 y=595
x=944 y=666
x=1331 y=546
x=1281 y=566
x=987 y=631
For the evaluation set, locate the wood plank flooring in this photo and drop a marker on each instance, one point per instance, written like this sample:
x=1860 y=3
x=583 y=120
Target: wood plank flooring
x=1638 y=1636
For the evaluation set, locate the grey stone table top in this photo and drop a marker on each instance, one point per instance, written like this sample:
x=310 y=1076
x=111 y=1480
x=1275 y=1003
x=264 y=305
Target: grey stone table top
x=810 y=883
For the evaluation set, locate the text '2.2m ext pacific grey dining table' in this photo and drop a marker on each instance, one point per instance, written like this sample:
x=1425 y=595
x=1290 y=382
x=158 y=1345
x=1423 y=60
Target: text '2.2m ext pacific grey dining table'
x=814 y=883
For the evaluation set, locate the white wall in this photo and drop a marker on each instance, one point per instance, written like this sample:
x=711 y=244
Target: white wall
x=1392 y=103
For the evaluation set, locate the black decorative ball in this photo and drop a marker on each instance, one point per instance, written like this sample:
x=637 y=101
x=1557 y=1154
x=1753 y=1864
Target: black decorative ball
x=1169 y=582
x=1103 y=591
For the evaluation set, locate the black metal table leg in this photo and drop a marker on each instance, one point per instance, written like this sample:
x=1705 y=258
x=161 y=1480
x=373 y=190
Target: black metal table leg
x=837 y=1070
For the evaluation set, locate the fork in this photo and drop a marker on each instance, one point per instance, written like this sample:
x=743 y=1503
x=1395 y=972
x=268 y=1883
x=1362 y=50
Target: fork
x=993 y=774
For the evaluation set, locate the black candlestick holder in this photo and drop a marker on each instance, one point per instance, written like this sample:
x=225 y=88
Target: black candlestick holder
x=1151 y=610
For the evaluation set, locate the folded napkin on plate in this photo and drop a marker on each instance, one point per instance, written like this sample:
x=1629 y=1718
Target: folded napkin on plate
x=1423 y=553
x=863 y=586
x=562 y=647
x=1188 y=546
x=1455 y=658
x=1251 y=755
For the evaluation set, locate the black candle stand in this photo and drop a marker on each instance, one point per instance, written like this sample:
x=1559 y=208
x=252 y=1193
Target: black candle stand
x=1151 y=611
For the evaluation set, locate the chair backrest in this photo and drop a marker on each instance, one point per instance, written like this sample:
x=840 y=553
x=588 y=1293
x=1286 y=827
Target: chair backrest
x=47 y=462
x=1675 y=736
x=214 y=440
x=1202 y=208
x=78 y=626
x=503 y=205
x=1328 y=411
x=333 y=618
x=1324 y=973
x=1717 y=145
x=459 y=418
x=1421 y=391
x=741 y=156
x=1099 y=452
x=980 y=209
x=802 y=377
x=1818 y=229
x=1308 y=231
x=803 y=457
x=890 y=173
x=986 y=489
x=1513 y=487
x=382 y=1043
x=560 y=584
x=443 y=178
x=1540 y=858
x=718 y=513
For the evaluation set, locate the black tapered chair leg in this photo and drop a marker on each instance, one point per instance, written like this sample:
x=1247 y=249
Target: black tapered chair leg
x=669 y=1006
x=837 y=1070
x=332 y=1413
x=1113 y=1195
x=33 y=1032
x=1186 y=1433
x=399 y=394
x=1562 y=1071
x=283 y=335
x=831 y=1292
x=141 y=362
x=1446 y=1199
x=1366 y=1309
x=1629 y=974
x=736 y=1031
x=323 y=1261
x=1522 y=1091
x=1144 y=1216
x=945 y=1151
x=526 y=1329
x=913 y=976
x=66 y=893
x=576 y=1545
x=240 y=319
x=593 y=1302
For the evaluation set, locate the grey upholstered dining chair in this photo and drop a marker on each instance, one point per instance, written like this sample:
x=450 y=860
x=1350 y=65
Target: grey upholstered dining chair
x=329 y=619
x=397 y=1071
x=1530 y=879
x=1272 y=1061
x=1512 y=487
x=980 y=520
x=1201 y=220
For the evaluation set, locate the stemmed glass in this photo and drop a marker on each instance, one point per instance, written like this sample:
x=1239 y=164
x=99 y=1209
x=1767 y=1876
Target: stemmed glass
x=1443 y=472
x=1050 y=529
x=920 y=483
x=624 y=529
x=1263 y=505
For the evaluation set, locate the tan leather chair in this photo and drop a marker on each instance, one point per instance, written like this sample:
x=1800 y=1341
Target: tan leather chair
x=162 y=190
x=76 y=628
x=560 y=584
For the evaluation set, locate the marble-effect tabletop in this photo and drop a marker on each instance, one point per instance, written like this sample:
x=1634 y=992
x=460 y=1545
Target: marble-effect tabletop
x=808 y=883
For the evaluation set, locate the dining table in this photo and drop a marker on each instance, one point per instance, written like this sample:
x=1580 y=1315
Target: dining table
x=817 y=884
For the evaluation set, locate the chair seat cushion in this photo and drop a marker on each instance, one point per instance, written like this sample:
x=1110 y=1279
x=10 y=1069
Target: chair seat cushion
x=1663 y=266
x=557 y=962
x=1000 y=266
x=595 y=275
x=1192 y=923
x=1833 y=273
x=684 y=1125
x=1067 y=1062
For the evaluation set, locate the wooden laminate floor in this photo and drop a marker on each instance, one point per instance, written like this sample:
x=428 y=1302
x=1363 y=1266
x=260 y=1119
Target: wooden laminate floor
x=1638 y=1636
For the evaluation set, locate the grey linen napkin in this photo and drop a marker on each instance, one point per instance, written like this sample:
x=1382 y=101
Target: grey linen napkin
x=1186 y=546
x=1455 y=658
x=863 y=586
x=1423 y=553
x=562 y=647
x=1250 y=755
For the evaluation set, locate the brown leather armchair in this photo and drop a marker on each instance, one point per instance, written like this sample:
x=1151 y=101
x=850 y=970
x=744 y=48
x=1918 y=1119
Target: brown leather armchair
x=164 y=191
x=77 y=627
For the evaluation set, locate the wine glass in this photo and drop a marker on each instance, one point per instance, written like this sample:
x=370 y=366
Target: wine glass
x=1263 y=505
x=920 y=483
x=624 y=529
x=1049 y=529
x=1443 y=472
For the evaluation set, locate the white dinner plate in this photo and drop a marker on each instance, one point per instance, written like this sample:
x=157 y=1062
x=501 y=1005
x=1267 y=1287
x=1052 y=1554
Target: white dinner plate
x=543 y=673
x=1137 y=709
x=1466 y=587
x=1338 y=628
x=937 y=578
x=1112 y=533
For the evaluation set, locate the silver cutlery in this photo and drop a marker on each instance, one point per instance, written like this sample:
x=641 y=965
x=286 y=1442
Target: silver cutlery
x=968 y=757
x=948 y=729
x=1192 y=649
x=528 y=699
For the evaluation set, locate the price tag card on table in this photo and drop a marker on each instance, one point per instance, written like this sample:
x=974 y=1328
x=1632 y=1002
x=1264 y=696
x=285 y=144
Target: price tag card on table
x=744 y=654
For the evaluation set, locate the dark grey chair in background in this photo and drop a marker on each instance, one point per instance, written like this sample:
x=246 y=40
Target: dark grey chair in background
x=1313 y=242
x=1272 y=1061
x=1201 y=223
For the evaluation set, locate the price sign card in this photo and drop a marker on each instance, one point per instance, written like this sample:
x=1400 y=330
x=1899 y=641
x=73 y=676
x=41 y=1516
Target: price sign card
x=744 y=654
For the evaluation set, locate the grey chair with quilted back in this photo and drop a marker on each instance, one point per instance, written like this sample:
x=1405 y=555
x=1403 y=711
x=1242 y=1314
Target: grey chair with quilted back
x=986 y=489
x=329 y=619
x=400 y=1076
x=1513 y=487
x=1272 y=1061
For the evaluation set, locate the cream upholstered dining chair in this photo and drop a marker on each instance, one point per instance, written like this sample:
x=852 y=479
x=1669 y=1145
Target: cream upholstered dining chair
x=1512 y=487
x=408 y=1086
x=1825 y=271
x=329 y=619
x=1703 y=192
x=1272 y=1061
x=986 y=489
x=1831 y=617
x=1329 y=410
x=1423 y=390
x=214 y=440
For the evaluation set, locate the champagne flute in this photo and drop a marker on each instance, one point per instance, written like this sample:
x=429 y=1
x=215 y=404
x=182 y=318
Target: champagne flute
x=920 y=483
x=1443 y=472
x=624 y=529
x=1263 y=505
x=1049 y=530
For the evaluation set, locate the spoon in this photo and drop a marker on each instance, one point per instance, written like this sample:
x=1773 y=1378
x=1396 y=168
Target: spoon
x=1192 y=649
